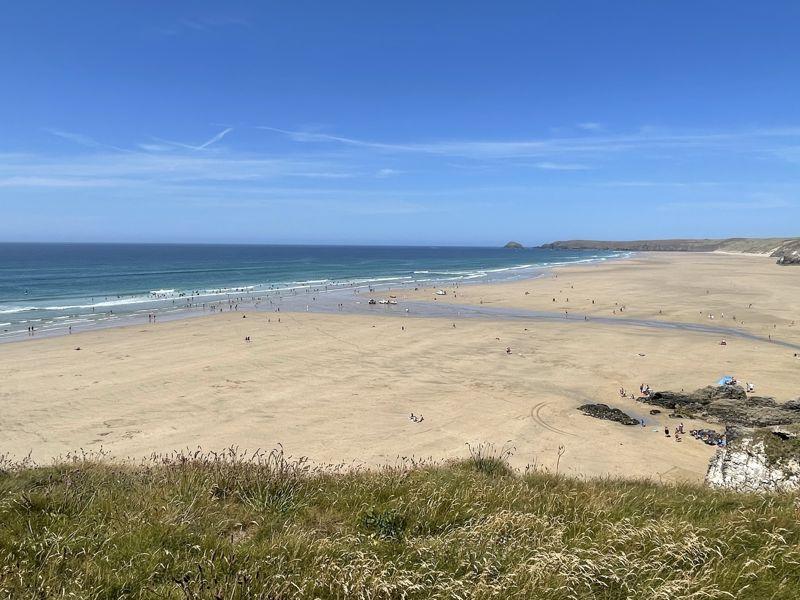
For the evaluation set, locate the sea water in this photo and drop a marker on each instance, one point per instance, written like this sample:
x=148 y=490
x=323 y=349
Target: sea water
x=57 y=287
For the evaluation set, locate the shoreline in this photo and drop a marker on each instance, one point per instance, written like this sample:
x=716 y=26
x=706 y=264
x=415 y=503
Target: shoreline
x=261 y=300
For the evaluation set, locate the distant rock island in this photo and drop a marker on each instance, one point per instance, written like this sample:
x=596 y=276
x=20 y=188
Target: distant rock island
x=786 y=250
x=514 y=245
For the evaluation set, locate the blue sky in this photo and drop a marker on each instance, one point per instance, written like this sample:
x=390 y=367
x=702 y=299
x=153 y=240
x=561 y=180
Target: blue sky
x=398 y=122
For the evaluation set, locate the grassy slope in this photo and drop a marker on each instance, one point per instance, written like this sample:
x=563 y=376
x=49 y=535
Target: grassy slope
x=746 y=245
x=226 y=528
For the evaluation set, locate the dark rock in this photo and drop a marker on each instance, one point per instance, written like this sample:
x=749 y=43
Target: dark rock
x=784 y=435
x=727 y=404
x=709 y=436
x=655 y=411
x=603 y=411
x=696 y=399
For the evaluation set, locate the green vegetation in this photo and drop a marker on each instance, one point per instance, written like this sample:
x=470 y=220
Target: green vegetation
x=513 y=245
x=228 y=526
x=771 y=246
x=780 y=450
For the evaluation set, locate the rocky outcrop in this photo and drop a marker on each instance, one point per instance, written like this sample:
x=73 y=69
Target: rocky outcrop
x=727 y=404
x=603 y=411
x=757 y=461
x=761 y=448
x=790 y=258
x=514 y=245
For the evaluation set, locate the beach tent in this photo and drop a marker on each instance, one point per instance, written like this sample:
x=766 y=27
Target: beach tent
x=726 y=380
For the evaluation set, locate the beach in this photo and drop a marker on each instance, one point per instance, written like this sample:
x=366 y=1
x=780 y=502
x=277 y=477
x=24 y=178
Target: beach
x=339 y=388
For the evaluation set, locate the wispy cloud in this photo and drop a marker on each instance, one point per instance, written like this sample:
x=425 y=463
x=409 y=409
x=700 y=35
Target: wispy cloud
x=351 y=173
x=160 y=169
x=149 y=147
x=310 y=136
x=213 y=140
x=82 y=140
x=646 y=139
x=552 y=166
x=728 y=205
x=590 y=126
x=59 y=182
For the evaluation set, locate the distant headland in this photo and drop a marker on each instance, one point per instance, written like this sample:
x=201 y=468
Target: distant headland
x=786 y=250
x=514 y=245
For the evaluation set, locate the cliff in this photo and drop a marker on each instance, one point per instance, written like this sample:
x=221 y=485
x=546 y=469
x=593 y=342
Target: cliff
x=786 y=249
x=760 y=460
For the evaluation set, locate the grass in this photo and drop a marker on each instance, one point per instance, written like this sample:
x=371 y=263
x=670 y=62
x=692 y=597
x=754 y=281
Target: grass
x=779 y=451
x=234 y=526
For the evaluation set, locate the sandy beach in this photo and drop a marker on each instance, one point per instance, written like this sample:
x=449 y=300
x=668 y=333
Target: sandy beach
x=340 y=387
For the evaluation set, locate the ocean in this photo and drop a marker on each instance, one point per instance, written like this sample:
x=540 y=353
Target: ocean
x=57 y=288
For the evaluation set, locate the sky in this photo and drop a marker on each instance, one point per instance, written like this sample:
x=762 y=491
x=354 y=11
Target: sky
x=363 y=122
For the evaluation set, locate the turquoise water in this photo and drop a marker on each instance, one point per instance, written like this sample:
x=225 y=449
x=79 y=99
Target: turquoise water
x=52 y=287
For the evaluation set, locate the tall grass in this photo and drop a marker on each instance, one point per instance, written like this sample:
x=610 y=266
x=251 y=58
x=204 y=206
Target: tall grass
x=235 y=525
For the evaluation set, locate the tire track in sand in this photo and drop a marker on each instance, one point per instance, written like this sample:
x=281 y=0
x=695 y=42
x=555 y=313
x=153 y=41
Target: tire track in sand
x=537 y=418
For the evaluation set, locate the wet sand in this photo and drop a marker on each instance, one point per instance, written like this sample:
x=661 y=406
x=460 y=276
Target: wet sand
x=340 y=387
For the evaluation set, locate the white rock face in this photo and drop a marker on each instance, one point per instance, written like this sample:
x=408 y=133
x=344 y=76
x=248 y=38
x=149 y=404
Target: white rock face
x=746 y=468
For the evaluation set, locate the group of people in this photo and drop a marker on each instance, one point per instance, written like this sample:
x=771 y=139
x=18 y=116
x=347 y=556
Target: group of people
x=644 y=390
x=415 y=418
x=678 y=432
x=707 y=436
